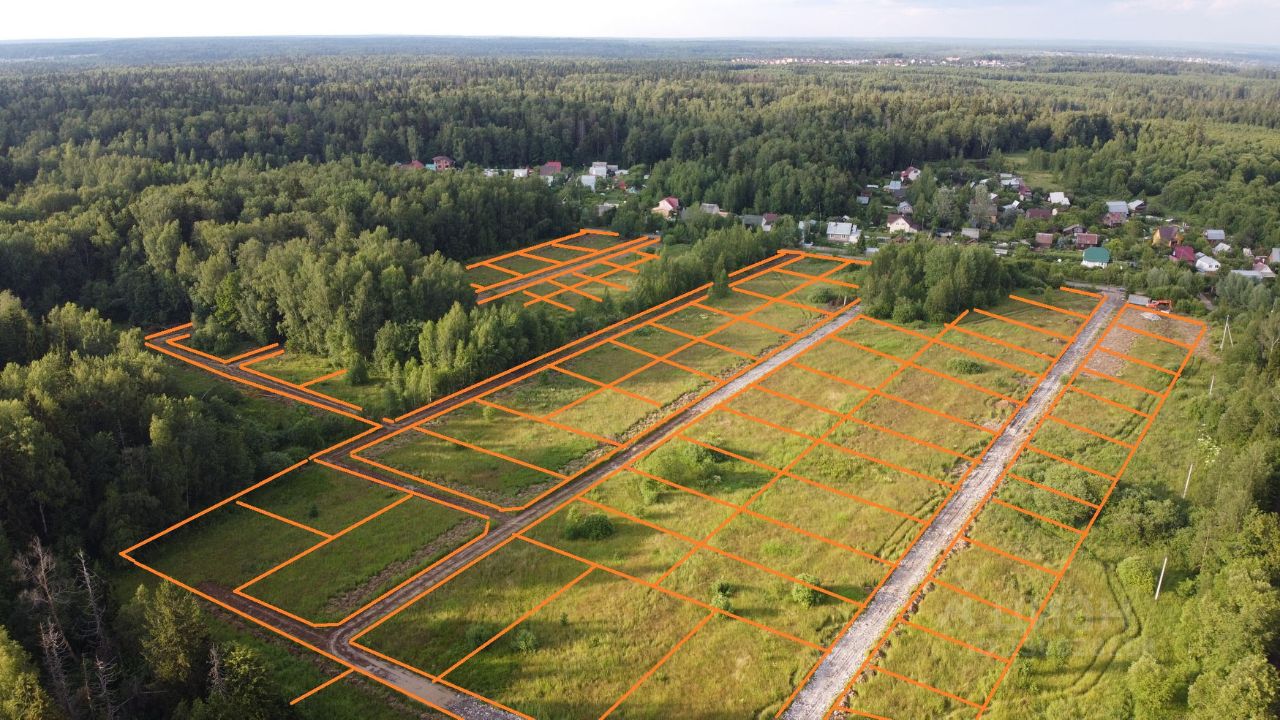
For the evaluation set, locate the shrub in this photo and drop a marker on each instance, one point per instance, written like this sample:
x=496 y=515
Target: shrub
x=1137 y=575
x=524 y=640
x=804 y=595
x=591 y=526
x=965 y=366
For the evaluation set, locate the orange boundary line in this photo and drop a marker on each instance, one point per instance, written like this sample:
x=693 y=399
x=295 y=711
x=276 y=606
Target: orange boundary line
x=1050 y=488
x=322 y=378
x=527 y=614
x=932 y=576
x=1068 y=461
x=1021 y=324
x=1095 y=433
x=889 y=396
x=1136 y=361
x=1005 y=553
x=1154 y=336
x=167 y=331
x=942 y=343
x=1086 y=293
x=283 y=519
x=560 y=268
x=954 y=641
x=1118 y=381
x=998 y=341
x=500 y=456
x=1037 y=516
x=993 y=605
x=250 y=353
x=669 y=308
x=1081 y=391
x=668 y=591
x=1046 y=306
x=545 y=421
x=1172 y=316
x=662 y=661
x=580 y=233
x=925 y=686
x=321 y=686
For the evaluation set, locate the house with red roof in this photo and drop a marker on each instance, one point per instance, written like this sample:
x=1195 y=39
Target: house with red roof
x=551 y=169
x=442 y=162
x=667 y=207
x=1184 y=253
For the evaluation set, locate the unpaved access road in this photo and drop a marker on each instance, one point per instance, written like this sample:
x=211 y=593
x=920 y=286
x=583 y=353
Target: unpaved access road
x=853 y=648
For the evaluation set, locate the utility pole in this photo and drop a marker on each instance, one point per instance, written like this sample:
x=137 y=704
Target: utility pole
x=1165 y=565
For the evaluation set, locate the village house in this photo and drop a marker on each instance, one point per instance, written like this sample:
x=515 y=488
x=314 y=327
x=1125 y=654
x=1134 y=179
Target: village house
x=1024 y=192
x=605 y=208
x=1184 y=253
x=442 y=162
x=411 y=165
x=1043 y=241
x=1086 y=240
x=599 y=169
x=864 y=198
x=1074 y=229
x=1215 y=236
x=1166 y=236
x=843 y=232
x=904 y=208
x=1118 y=206
x=1137 y=206
x=1039 y=214
x=667 y=207
x=1114 y=219
x=1206 y=264
x=1096 y=257
x=1259 y=272
x=1059 y=198
x=895 y=187
x=520 y=172
x=1222 y=249
x=911 y=174
x=899 y=224
x=971 y=233
x=764 y=222
x=1274 y=258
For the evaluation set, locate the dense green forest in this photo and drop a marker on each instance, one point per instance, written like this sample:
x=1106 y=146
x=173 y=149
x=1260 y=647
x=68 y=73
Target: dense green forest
x=258 y=199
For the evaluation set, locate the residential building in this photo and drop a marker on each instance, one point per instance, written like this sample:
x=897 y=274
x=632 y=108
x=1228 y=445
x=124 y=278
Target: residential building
x=442 y=162
x=588 y=181
x=1118 y=206
x=1184 y=253
x=1222 y=249
x=843 y=232
x=904 y=208
x=1039 y=214
x=551 y=169
x=911 y=174
x=1206 y=264
x=599 y=169
x=605 y=208
x=971 y=233
x=667 y=207
x=1086 y=240
x=1043 y=241
x=1115 y=219
x=899 y=224
x=1259 y=272
x=1137 y=206
x=1059 y=198
x=1074 y=229
x=1096 y=257
x=1215 y=236
x=1166 y=236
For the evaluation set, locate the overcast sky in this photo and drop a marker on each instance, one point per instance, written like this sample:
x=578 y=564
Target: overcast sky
x=1144 y=21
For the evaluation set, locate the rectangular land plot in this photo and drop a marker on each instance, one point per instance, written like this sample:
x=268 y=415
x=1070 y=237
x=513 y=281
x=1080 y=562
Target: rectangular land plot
x=754 y=673
x=996 y=578
x=443 y=626
x=871 y=481
x=667 y=505
x=793 y=383
x=746 y=438
x=1027 y=538
x=1097 y=416
x=952 y=613
x=760 y=596
x=453 y=466
x=1081 y=449
x=602 y=535
x=212 y=548
x=1129 y=375
x=1057 y=477
x=924 y=426
x=950 y=667
x=837 y=569
x=609 y=630
x=321 y=497
x=610 y=413
x=880 y=695
x=541 y=445
x=705 y=470
x=876 y=530
x=343 y=574
x=886 y=447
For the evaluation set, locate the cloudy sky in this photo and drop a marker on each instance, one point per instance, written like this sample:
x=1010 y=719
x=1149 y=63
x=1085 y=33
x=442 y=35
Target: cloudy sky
x=1145 y=21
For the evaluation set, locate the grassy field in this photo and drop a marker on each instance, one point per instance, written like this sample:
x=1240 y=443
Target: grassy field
x=1018 y=544
x=356 y=567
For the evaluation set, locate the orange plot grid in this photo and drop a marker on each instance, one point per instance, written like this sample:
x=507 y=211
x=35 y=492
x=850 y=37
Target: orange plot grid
x=518 y=441
x=955 y=642
x=802 y=458
x=244 y=501
x=578 y=267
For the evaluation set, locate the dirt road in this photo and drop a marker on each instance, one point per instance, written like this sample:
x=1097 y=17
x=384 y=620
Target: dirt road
x=835 y=672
